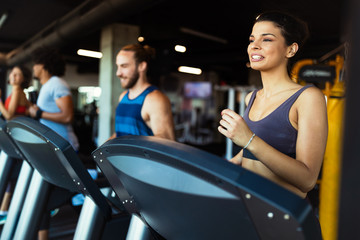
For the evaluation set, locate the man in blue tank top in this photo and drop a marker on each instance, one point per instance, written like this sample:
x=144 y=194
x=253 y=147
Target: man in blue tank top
x=142 y=108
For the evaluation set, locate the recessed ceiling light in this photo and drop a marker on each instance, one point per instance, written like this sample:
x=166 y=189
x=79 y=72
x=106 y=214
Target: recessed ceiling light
x=191 y=70
x=180 y=48
x=89 y=53
x=141 y=39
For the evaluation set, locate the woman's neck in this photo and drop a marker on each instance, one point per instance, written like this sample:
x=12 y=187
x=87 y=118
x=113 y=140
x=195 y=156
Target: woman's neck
x=275 y=83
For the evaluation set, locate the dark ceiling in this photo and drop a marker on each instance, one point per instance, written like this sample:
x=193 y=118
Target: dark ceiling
x=222 y=28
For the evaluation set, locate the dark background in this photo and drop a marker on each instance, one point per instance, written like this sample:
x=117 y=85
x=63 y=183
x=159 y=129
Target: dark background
x=162 y=24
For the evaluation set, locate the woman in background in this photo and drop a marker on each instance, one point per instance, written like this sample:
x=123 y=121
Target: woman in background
x=16 y=103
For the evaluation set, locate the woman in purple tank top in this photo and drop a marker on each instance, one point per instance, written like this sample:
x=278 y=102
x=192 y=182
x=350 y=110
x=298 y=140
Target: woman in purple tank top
x=283 y=132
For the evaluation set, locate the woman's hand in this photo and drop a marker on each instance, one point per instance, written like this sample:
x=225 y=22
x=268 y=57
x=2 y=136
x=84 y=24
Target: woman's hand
x=233 y=126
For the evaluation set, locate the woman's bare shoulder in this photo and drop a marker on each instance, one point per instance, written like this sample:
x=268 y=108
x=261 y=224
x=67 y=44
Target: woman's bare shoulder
x=312 y=92
x=312 y=98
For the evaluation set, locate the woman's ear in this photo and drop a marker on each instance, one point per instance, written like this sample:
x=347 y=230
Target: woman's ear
x=292 y=50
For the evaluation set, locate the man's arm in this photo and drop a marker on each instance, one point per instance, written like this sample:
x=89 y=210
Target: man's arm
x=157 y=114
x=65 y=115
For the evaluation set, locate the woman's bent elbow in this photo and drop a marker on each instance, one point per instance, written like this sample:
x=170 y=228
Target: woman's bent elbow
x=308 y=186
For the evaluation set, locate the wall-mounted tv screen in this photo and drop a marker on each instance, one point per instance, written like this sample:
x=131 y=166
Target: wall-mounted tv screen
x=197 y=89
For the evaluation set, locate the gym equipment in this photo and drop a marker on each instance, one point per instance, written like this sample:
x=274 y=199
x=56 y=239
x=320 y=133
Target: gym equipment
x=175 y=191
x=56 y=162
x=328 y=75
x=8 y=157
x=331 y=170
x=11 y=155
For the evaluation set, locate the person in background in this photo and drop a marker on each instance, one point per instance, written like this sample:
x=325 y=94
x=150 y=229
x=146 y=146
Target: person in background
x=143 y=109
x=54 y=108
x=284 y=129
x=16 y=104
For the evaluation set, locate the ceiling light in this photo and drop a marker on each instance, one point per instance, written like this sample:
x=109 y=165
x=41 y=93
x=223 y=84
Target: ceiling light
x=190 y=70
x=141 y=39
x=180 y=48
x=89 y=53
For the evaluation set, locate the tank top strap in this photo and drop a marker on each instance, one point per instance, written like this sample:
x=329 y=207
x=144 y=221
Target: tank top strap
x=140 y=99
x=253 y=95
x=290 y=101
x=126 y=96
x=145 y=93
x=149 y=89
x=251 y=101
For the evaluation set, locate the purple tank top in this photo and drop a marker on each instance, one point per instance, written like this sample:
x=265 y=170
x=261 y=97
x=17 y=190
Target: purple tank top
x=275 y=129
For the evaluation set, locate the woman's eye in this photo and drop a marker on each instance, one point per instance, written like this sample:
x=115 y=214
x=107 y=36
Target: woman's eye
x=267 y=40
x=251 y=40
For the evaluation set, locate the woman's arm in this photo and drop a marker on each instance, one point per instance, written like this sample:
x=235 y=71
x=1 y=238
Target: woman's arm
x=237 y=159
x=303 y=171
x=14 y=103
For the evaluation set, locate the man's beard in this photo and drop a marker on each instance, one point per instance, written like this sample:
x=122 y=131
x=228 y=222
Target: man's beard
x=132 y=80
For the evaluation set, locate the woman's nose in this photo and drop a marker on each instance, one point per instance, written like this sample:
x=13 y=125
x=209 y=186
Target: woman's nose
x=254 y=45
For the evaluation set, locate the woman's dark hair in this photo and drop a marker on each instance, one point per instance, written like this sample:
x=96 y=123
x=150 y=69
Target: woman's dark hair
x=27 y=74
x=292 y=28
x=51 y=59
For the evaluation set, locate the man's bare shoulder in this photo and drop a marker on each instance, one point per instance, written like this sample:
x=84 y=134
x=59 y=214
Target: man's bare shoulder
x=156 y=95
x=156 y=101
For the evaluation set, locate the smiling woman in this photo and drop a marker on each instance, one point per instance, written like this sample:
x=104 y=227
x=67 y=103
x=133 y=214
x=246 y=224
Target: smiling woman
x=289 y=35
x=277 y=130
x=278 y=125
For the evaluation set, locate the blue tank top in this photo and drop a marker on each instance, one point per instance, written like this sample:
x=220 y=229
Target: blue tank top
x=275 y=129
x=128 y=120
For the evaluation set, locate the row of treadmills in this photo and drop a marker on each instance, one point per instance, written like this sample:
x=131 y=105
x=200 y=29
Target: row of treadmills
x=167 y=190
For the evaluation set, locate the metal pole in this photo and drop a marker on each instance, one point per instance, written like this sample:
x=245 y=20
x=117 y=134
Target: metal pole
x=231 y=105
x=33 y=209
x=17 y=201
